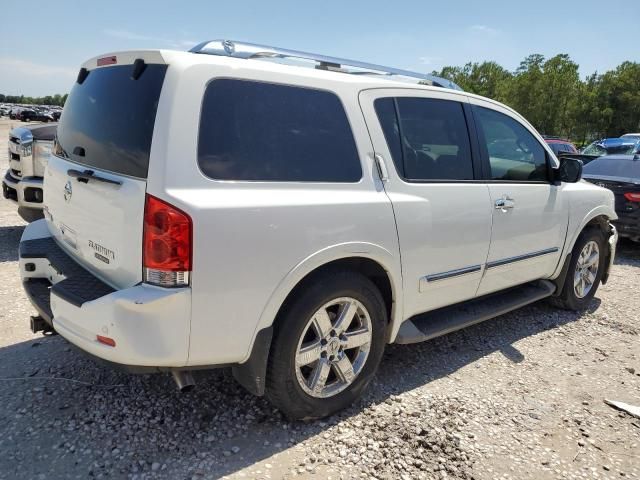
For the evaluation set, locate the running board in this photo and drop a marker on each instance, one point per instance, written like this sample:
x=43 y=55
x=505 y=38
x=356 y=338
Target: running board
x=449 y=319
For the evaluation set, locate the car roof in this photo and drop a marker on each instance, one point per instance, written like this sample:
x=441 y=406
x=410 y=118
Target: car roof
x=556 y=140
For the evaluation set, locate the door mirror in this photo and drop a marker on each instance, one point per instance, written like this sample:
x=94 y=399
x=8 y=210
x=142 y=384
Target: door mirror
x=570 y=170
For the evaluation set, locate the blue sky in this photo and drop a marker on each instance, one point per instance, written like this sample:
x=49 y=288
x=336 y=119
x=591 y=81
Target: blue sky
x=41 y=54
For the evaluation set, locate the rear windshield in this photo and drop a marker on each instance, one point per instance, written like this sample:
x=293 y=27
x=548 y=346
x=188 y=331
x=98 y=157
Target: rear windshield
x=613 y=167
x=108 y=119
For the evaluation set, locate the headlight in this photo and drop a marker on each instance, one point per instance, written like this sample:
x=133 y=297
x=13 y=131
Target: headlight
x=25 y=150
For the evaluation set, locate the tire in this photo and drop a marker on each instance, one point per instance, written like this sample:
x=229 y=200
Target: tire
x=570 y=298
x=288 y=384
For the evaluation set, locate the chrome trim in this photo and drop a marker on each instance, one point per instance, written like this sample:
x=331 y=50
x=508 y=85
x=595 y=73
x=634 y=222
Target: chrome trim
x=162 y=278
x=231 y=48
x=518 y=258
x=427 y=280
x=452 y=273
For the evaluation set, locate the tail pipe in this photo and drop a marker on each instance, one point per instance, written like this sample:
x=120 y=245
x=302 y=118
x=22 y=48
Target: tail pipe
x=184 y=380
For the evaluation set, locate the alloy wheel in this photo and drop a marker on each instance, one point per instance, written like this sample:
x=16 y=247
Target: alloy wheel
x=333 y=348
x=586 y=269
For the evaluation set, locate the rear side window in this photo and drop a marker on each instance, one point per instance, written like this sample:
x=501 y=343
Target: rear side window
x=108 y=120
x=266 y=132
x=427 y=137
x=514 y=153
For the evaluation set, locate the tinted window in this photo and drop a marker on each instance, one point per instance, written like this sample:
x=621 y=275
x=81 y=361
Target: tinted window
x=112 y=117
x=514 y=153
x=386 y=111
x=262 y=131
x=429 y=140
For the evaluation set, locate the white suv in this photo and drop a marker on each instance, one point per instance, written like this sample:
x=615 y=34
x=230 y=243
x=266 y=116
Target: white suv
x=231 y=206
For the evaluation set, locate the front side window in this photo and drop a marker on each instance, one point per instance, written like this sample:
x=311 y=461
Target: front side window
x=257 y=131
x=514 y=153
x=427 y=137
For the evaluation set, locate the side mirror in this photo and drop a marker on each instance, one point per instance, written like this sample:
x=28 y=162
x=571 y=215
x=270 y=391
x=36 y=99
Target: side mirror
x=570 y=170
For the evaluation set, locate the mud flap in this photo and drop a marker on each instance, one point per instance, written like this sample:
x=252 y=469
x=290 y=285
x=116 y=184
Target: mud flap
x=252 y=373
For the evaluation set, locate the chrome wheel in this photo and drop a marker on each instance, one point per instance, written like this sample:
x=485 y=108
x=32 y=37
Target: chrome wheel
x=586 y=269
x=333 y=348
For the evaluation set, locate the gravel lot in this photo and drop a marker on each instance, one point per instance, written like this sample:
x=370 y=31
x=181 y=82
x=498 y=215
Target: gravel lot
x=517 y=397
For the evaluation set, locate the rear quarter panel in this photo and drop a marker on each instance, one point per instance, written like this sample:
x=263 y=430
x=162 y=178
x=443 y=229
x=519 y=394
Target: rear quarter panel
x=253 y=241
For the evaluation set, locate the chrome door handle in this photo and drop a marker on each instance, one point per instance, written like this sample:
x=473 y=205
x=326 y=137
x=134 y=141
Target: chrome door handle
x=505 y=203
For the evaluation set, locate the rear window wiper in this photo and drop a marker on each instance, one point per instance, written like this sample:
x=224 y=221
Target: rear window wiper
x=87 y=175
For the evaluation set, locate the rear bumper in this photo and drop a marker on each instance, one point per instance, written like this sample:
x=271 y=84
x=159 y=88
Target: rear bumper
x=150 y=325
x=26 y=192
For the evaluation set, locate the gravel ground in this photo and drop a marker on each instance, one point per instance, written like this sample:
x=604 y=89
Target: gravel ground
x=517 y=397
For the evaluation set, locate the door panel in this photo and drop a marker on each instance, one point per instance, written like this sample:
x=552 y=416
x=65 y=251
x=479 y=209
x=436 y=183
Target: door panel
x=530 y=214
x=527 y=238
x=444 y=217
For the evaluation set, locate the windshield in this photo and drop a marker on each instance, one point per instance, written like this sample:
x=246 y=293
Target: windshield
x=617 y=149
x=108 y=120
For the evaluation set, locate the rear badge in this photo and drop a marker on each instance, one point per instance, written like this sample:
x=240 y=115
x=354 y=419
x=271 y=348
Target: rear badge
x=102 y=253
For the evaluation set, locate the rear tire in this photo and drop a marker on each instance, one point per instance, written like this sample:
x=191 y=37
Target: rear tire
x=314 y=369
x=585 y=271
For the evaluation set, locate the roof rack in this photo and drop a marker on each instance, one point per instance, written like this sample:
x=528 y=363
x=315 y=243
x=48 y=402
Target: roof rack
x=230 y=48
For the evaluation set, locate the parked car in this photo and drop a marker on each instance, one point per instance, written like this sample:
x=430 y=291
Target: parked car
x=215 y=207
x=29 y=149
x=14 y=112
x=631 y=136
x=621 y=175
x=30 y=115
x=560 y=146
x=611 y=146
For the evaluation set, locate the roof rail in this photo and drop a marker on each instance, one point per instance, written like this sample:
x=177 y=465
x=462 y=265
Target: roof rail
x=230 y=48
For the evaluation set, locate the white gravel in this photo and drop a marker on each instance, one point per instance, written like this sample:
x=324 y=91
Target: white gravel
x=517 y=397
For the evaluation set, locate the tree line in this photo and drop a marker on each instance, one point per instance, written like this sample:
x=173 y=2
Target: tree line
x=552 y=96
x=56 y=99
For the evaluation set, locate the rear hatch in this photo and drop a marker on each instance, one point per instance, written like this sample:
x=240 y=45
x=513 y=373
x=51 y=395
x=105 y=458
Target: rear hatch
x=96 y=178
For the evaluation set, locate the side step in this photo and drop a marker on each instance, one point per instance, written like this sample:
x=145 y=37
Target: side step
x=449 y=319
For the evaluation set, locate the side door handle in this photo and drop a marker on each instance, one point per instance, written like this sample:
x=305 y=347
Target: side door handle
x=505 y=203
x=382 y=168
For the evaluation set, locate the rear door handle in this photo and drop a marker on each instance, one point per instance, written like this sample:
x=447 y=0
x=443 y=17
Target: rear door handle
x=505 y=203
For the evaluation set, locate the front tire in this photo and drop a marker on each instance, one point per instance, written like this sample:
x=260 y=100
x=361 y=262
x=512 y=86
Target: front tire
x=328 y=342
x=585 y=271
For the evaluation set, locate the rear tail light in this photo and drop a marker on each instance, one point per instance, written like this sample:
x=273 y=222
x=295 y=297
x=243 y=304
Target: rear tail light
x=632 y=197
x=166 y=244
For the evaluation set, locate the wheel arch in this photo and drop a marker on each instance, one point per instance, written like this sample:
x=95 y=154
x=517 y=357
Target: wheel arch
x=374 y=261
x=599 y=217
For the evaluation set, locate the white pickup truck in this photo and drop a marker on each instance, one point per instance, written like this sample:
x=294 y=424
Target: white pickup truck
x=230 y=206
x=29 y=148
